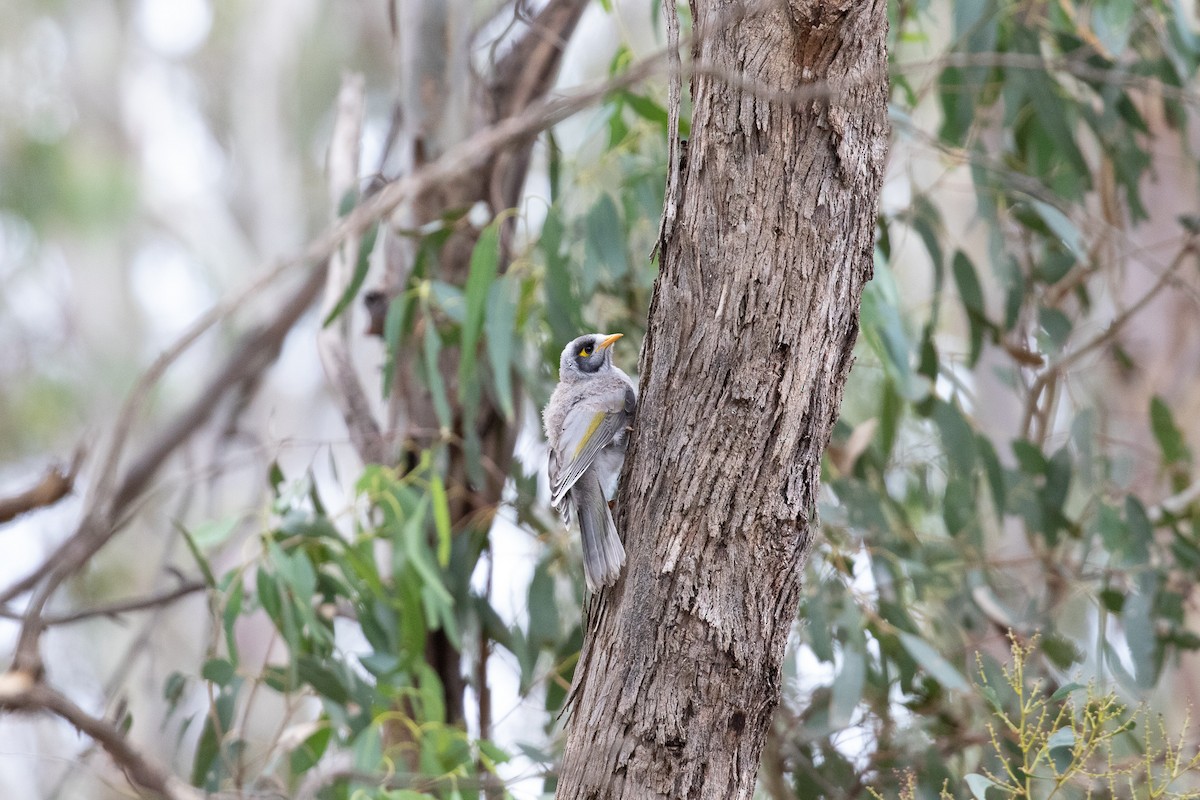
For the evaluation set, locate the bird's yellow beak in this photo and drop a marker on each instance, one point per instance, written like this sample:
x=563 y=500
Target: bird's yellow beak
x=609 y=341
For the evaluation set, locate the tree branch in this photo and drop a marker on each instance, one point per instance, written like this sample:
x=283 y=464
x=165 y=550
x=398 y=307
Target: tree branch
x=20 y=693
x=259 y=348
x=162 y=598
x=333 y=342
x=56 y=484
x=1068 y=360
x=674 y=146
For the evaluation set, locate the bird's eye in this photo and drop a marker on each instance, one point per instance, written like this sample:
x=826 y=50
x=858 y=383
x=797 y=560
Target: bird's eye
x=585 y=352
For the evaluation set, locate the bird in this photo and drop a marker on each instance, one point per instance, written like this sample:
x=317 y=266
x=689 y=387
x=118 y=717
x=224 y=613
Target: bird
x=587 y=423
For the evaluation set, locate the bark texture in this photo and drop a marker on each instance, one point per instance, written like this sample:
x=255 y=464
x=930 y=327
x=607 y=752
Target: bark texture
x=751 y=329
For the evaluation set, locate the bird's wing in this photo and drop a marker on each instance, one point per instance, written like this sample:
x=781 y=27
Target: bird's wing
x=588 y=427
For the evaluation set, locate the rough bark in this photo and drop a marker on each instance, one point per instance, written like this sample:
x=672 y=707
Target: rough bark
x=751 y=329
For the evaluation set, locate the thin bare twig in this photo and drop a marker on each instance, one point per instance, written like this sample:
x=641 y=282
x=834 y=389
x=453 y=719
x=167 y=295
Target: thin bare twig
x=1075 y=67
x=1068 y=360
x=116 y=608
x=256 y=351
x=674 y=146
x=333 y=342
x=56 y=484
x=20 y=693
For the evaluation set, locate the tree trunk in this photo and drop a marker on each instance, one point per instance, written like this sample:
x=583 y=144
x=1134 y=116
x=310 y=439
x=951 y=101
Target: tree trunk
x=748 y=347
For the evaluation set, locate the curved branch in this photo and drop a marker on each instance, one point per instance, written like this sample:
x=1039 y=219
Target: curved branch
x=56 y=484
x=20 y=693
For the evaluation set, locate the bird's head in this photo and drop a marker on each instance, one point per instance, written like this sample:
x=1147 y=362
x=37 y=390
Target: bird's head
x=587 y=355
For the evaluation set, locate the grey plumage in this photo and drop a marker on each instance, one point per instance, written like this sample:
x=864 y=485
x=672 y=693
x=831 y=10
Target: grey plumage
x=587 y=421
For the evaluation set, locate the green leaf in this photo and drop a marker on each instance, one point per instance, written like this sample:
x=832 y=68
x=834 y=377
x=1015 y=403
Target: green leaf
x=993 y=471
x=207 y=766
x=1061 y=651
x=971 y=294
x=202 y=562
x=543 y=607
x=1170 y=440
x=1058 y=483
x=1138 y=620
x=848 y=685
x=492 y=753
x=1067 y=231
x=218 y=670
x=1061 y=747
x=604 y=243
x=501 y=329
x=173 y=690
x=231 y=612
x=646 y=108
x=1141 y=532
x=1112 y=600
x=365 y=246
x=399 y=311
x=932 y=661
x=561 y=304
x=213 y=533
x=267 y=593
x=958 y=438
x=1057 y=326
x=441 y=517
x=323 y=679
x=1063 y=692
x=309 y=752
x=884 y=332
x=979 y=784
x=433 y=374
x=485 y=262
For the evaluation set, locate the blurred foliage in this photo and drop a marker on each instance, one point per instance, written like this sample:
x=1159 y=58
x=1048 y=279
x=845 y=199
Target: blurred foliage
x=1074 y=742
x=942 y=531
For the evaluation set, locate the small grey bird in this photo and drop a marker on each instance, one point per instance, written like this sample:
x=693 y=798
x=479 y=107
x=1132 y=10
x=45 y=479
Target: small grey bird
x=587 y=420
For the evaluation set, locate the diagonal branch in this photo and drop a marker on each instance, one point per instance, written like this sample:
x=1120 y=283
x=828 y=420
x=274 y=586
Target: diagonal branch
x=259 y=348
x=19 y=693
x=1059 y=366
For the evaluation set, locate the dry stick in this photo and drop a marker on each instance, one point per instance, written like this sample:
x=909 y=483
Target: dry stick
x=1067 y=361
x=256 y=350
x=98 y=526
x=56 y=484
x=118 y=607
x=1074 y=67
x=674 y=95
x=333 y=342
x=129 y=410
x=29 y=696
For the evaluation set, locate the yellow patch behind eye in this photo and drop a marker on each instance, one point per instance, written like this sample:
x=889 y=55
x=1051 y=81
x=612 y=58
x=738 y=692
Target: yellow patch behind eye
x=585 y=352
x=587 y=435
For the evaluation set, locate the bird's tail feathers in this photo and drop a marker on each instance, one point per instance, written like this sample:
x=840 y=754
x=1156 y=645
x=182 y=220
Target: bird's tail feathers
x=603 y=553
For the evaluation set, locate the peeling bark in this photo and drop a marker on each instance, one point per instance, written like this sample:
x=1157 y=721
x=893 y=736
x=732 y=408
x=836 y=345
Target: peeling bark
x=751 y=329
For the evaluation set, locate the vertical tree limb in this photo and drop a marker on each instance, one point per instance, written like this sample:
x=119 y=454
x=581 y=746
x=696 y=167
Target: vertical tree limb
x=749 y=343
x=333 y=342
